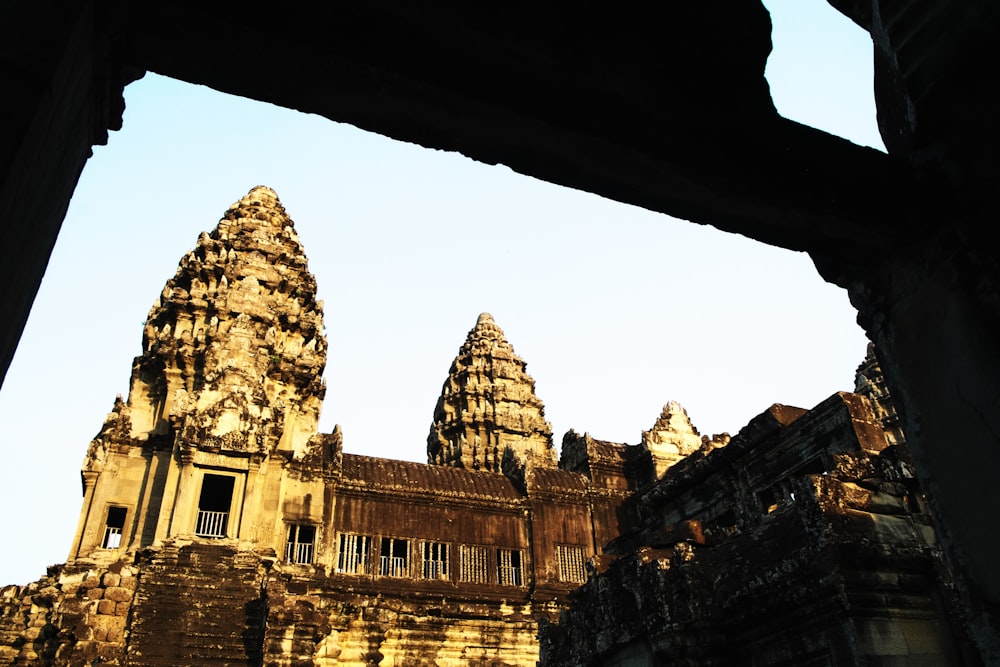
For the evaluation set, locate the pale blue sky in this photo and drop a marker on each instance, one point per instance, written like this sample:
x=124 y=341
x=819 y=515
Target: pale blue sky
x=616 y=310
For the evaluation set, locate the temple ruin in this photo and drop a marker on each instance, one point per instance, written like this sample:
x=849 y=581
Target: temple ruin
x=219 y=526
x=668 y=111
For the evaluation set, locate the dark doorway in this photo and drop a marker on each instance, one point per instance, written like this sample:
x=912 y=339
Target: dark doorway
x=113 y=528
x=213 y=505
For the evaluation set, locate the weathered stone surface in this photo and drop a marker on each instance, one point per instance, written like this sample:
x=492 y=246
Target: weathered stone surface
x=870 y=383
x=798 y=541
x=488 y=407
x=644 y=114
x=218 y=527
x=233 y=350
x=671 y=438
x=63 y=619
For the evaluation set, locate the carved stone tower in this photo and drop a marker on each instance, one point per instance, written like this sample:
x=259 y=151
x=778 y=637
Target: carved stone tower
x=229 y=377
x=671 y=438
x=488 y=406
x=233 y=351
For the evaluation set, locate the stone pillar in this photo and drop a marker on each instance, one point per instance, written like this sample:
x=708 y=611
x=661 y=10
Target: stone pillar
x=247 y=529
x=89 y=483
x=939 y=345
x=180 y=515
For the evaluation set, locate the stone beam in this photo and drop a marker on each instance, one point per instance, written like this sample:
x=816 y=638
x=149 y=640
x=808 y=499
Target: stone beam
x=672 y=114
x=61 y=96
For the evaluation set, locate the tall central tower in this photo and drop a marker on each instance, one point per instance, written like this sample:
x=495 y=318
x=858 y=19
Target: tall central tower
x=229 y=383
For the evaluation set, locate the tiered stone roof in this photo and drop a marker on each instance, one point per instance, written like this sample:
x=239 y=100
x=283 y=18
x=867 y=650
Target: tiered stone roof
x=234 y=349
x=488 y=406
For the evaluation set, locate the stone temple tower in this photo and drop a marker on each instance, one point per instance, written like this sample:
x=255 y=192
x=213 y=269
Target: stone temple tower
x=488 y=408
x=228 y=384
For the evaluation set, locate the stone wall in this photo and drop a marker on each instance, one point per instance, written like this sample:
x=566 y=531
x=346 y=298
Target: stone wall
x=805 y=540
x=198 y=604
x=73 y=616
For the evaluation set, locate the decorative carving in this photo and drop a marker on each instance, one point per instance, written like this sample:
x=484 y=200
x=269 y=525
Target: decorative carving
x=233 y=350
x=671 y=438
x=488 y=406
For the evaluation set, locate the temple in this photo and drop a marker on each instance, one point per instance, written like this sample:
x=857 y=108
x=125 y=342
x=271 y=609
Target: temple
x=219 y=526
x=666 y=108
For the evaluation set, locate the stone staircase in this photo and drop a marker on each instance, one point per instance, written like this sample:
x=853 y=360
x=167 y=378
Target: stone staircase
x=197 y=604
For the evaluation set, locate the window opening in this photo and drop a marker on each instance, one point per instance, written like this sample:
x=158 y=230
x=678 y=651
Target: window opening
x=571 y=567
x=395 y=557
x=113 y=527
x=352 y=554
x=435 y=560
x=473 y=566
x=213 y=506
x=509 y=572
x=301 y=544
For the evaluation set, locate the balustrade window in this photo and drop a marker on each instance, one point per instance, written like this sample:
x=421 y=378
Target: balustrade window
x=509 y=570
x=353 y=553
x=435 y=560
x=213 y=506
x=113 y=527
x=473 y=564
x=301 y=544
x=394 y=559
x=571 y=564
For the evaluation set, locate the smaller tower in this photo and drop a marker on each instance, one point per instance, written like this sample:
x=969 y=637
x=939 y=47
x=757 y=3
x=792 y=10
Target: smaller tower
x=488 y=406
x=671 y=438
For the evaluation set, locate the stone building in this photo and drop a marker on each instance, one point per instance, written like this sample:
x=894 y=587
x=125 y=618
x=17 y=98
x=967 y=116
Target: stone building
x=802 y=540
x=220 y=527
x=667 y=109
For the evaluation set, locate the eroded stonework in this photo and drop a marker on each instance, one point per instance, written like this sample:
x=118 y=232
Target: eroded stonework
x=804 y=540
x=233 y=350
x=219 y=527
x=672 y=437
x=247 y=537
x=488 y=406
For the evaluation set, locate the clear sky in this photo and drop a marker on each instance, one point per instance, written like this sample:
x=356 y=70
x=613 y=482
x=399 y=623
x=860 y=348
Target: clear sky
x=616 y=309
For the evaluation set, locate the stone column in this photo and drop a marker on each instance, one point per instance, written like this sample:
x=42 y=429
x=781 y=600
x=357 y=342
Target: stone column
x=89 y=483
x=180 y=515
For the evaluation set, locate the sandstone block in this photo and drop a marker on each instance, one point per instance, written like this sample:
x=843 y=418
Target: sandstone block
x=106 y=607
x=49 y=593
x=118 y=594
x=111 y=579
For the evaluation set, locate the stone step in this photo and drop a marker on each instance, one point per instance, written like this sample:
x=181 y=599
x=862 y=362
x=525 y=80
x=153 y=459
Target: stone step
x=200 y=607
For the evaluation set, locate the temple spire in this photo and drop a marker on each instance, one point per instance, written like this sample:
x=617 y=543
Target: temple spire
x=234 y=349
x=488 y=406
